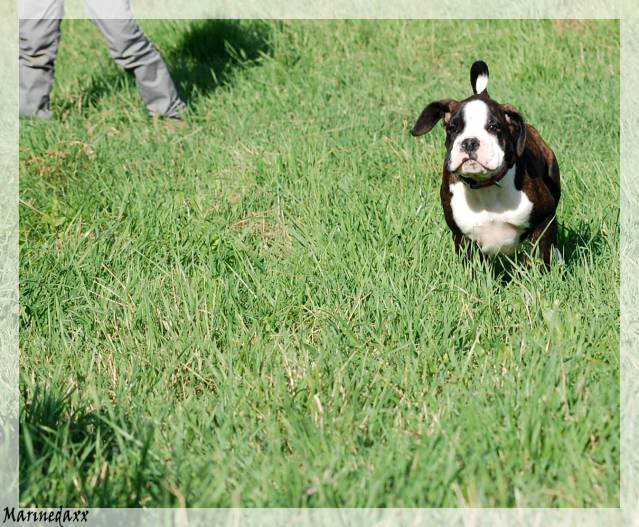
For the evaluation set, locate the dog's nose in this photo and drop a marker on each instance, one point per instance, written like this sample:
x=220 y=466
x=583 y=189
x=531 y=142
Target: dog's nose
x=470 y=144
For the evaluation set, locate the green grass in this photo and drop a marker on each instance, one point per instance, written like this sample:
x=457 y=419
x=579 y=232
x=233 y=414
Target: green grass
x=266 y=309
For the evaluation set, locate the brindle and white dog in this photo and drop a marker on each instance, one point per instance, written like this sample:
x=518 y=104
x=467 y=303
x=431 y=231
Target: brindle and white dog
x=500 y=185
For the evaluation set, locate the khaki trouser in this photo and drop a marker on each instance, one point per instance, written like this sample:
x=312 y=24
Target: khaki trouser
x=129 y=47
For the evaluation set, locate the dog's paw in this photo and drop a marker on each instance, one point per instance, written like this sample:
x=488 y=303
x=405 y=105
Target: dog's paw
x=557 y=256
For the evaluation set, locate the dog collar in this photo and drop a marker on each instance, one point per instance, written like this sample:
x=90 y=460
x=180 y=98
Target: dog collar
x=493 y=180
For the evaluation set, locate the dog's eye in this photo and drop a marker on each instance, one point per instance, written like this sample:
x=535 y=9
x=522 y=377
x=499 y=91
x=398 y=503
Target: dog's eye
x=453 y=126
x=493 y=127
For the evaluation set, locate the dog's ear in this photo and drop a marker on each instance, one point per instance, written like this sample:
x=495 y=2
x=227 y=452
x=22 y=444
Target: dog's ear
x=517 y=127
x=435 y=111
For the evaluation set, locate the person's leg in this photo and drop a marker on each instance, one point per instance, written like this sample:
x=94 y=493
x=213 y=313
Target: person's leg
x=130 y=48
x=39 y=32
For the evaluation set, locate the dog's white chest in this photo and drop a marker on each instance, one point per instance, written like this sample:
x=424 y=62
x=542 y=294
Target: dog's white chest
x=494 y=217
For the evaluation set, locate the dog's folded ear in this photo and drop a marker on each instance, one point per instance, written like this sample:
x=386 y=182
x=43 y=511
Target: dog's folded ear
x=435 y=111
x=517 y=127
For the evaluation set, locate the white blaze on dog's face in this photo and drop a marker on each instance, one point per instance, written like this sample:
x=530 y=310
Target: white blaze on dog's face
x=476 y=149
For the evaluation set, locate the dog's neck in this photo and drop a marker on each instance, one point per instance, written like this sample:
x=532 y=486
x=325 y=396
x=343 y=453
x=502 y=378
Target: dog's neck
x=493 y=180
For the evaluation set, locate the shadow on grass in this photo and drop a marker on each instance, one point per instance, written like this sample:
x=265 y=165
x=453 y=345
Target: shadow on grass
x=206 y=54
x=209 y=51
x=86 y=455
x=575 y=242
x=572 y=243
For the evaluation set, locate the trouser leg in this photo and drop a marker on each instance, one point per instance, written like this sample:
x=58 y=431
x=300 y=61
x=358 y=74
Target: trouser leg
x=132 y=50
x=39 y=33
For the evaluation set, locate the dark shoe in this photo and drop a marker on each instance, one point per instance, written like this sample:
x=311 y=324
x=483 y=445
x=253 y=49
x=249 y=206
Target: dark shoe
x=42 y=114
x=171 y=123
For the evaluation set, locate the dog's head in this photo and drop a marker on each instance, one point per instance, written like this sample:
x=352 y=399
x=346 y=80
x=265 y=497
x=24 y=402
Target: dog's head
x=482 y=136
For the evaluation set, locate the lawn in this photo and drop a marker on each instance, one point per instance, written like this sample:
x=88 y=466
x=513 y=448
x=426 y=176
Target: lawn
x=265 y=309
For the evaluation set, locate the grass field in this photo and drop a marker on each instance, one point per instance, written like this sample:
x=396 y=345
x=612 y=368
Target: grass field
x=265 y=309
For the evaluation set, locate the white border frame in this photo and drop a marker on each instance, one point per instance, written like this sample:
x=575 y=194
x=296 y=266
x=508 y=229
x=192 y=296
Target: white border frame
x=627 y=514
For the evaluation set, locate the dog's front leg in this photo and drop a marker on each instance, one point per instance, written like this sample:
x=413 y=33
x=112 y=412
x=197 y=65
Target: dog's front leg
x=545 y=236
x=465 y=247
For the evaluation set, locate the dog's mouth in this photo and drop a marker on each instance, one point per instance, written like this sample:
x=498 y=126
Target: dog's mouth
x=473 y=168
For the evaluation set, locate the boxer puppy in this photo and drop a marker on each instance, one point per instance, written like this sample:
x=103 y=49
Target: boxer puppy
x=500 y=184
